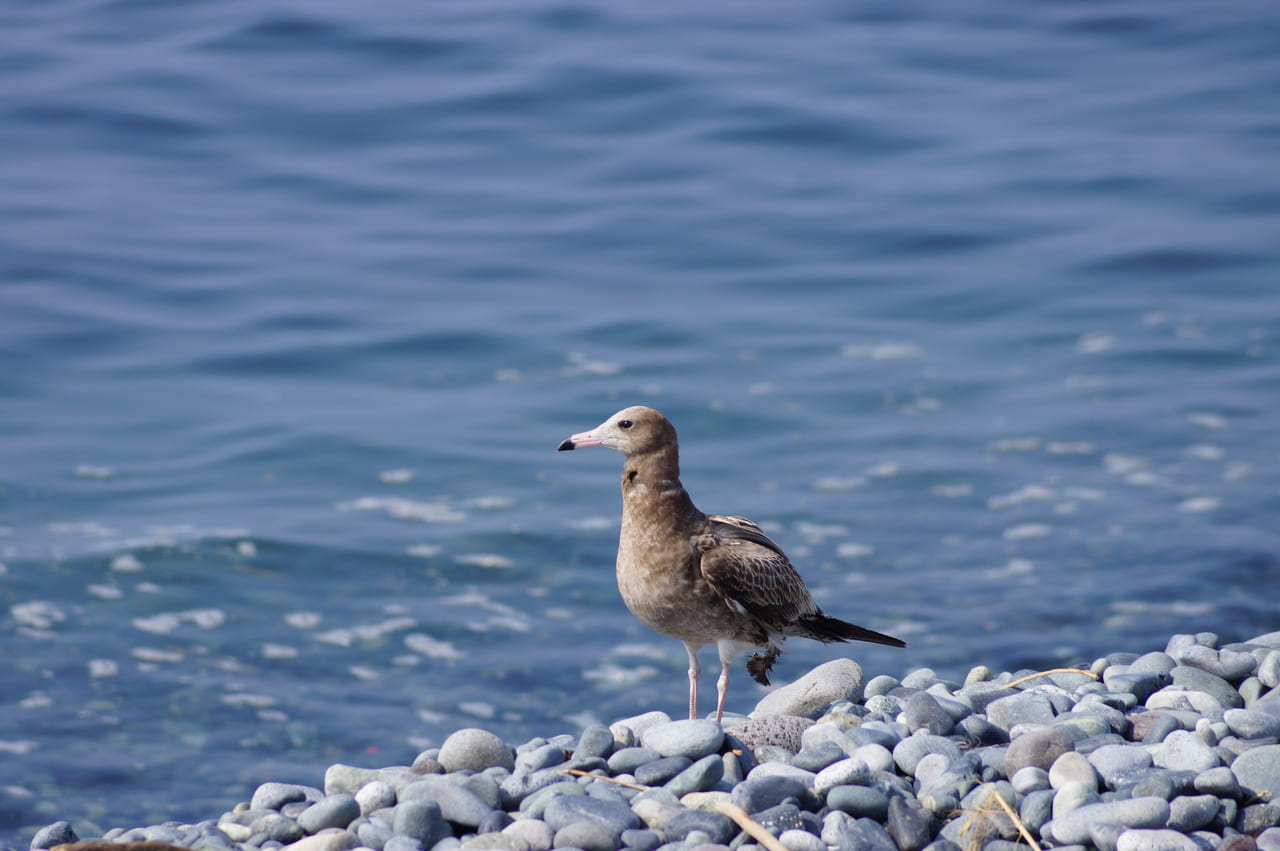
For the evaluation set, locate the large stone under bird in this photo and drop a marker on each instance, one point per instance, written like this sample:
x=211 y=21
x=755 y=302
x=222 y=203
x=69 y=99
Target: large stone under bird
x=703 y=578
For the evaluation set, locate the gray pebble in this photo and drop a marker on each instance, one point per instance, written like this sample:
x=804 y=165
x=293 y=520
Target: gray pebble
x=911 y=828
x=1072 y=767
x=851 y=771
x=1071 y=797
x=639 y=840
x=536 y=804
x=801 y=840
x=1194 y=679
x=881 y=684
x=839 y=679
x=923 y=712
x=536 y=834
x=1269 y=839
x=859 y=801
x=627 y=760
x=1155 y=661
x=877 y=757
x=1219 y=782
x=1155 y=840
x=460 y=806
x=1160 y=728
x=1185 y=751
x=422 y=820
x=278 y=828
x=1140 y=685
x=544 y=756
x=372 y=833
x=1029 y=779
x=53 y=834
x=702 y=775
x=473 y=749
x=1039 y=748
x=1192 y=812
x=1026 y=707
x=595 y=740
x=1269 y=669
x=338 y=779
x=862 y=834
x=912 y=749
x=273 y=796
x=818 y=756
x=759 y=792
x=565 y=810
x=1136 y=813
x=374 y=796
x=692 y=738
x=661 y=770
x=1037 y=808
x=1256 y=818
x=718 y=828
x=586 y=835
x=330 y=811
x=1248 y=724
x=1227 y=664
x=399 y=843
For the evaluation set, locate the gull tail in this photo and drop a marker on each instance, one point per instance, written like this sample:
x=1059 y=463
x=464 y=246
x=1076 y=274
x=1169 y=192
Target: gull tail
x=827 y=629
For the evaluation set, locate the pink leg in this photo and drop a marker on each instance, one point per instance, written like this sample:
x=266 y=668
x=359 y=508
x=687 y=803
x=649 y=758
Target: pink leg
x=694 y=670
x=722 y=690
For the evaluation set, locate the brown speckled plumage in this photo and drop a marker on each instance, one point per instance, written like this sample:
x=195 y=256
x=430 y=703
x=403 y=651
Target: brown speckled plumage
x=703 y=579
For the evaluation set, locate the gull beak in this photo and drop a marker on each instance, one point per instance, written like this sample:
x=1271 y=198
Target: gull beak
x=580 y=440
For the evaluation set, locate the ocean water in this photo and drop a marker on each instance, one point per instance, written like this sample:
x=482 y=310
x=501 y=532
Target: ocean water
x=974 y=307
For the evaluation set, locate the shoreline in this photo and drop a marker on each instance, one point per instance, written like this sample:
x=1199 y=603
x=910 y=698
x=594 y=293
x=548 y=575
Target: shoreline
x=1172 y=750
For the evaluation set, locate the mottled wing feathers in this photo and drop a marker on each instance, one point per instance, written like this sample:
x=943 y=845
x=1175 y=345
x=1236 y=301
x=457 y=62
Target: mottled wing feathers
x=751 y=573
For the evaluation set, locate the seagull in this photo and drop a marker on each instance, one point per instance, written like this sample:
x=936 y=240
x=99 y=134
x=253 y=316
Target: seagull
x=703 y=578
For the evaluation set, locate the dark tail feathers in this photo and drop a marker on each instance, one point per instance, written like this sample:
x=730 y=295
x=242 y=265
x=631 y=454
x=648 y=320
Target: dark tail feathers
x=827 y=629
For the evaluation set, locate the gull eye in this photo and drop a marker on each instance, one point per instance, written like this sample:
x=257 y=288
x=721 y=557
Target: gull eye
x=625 y=424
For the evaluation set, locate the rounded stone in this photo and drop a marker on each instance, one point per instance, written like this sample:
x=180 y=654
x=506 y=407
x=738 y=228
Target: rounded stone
x=784 y=731
x=702 y=775
x=458 y=805
x=1195 y=679
x=279 y=828
x=1155 y=840
x=923 y=712
x=1029 y=779
x=330 y=811
x=1071 y=797
x=596 y=740
x=1037 y=747
x=719 y=828
x=1185 y=751
x=1072 y=767
x=374 y=796
x=760 y=792
x=851 y=771
x=1257 y=770
x=1248 y=724
x=614 y=816
x=859 y=801
x=839 y=679
x=273 y=796
x=536 y=834
x=661 y=770
x=1073 y=828
x=912 y=749
x=331 y=839
x=801 y=840
x=1192 y=812
x=640 y=839
x=421 y=820
x=693 y=739
x=911 y=827
x=586 y=835
x=473 y=749
x=818 y=756
x=58 y=833
x=1023 y=708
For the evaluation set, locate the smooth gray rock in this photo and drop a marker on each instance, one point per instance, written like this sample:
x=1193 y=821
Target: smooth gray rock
x=595 y=740
x=923 y=712
x=639 y=840
x=851 y=771
x=1195 y=679
x=400 y=843
x=1248 y=724
x=1257 y=770
x=1071 y=797
x=1037 y=808
x=1026 y=707
x=692 y=739
x=535 y=804
x=1073 y=828
x=910 y=827
x=473 y=749
x=1219 y=782
x=702 y=775
x=1192 y=812
x=627 y=760
x=1155 y=840
x=719 y=828
x=58 y=833
x=1226 y=664
x=279 y=828
x=1072 y=767
x=839 y=679
x=1256 y=818
x=374 y=796
x=458 y=805
x=801 y=840
x=1155 y=661
x=544 y=756
x=659 y=771
x=850 y=834
x=329 y=811
x=338 y=779
x=1029 y=779
x=818 y=756
x=859 y=801
x=586 y=835
x=1185 y=751
x=421 y=820
x=569 y=809
x=912 y=749
x=273 y=796
x=1039 y=748
x=1140 y=685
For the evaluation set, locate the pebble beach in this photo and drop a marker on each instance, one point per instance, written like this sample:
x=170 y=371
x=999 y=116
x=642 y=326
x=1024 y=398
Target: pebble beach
x=1176 y=749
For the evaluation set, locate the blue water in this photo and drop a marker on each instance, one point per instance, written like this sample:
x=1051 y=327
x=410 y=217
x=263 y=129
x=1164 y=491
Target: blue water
x=975 y=307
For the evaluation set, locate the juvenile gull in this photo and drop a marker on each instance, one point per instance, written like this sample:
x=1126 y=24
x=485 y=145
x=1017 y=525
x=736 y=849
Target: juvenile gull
x=703 y=578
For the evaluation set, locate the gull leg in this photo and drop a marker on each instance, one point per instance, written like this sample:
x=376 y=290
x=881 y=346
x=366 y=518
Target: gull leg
x=694 y=670
x=722 y=690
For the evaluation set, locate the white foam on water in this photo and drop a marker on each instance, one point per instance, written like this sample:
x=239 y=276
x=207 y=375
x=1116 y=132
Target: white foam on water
x=952 y=491
x=247 y=549
x=839 y=484
x=242 y=699
x=489 y=503
x=155 y=654
x=1237 y=470
x=1208 y=420
x=1179 y=608
x=881 y=351
x=364 y=672
x=593 y=523
x=1198 y=504
x=853 y=549
x=436 y=511
x=126 y=563
x=37 y=614
x=347 y=636
x=1027 y=493
x=424 y=550
x=1013 y=568
x=1206 y=451
x=18 y=747
x=815 y=533
x=1015 y=444
x=1065 y=447
x=167 y=622
x=103 y=668
x=1027 y=531
x=36 y=700
x=485 y=560
x=279 y=651
x=432 y=648
x=581 y=365
x=1119 y=464
x=1094 y=342
x=93 y=471
x=303 y=620
x=396 y=477
x=478 y=708
x=618 y=675
x=105 y=592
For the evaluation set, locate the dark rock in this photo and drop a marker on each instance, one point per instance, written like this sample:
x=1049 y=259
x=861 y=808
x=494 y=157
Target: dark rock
x=910 y=827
